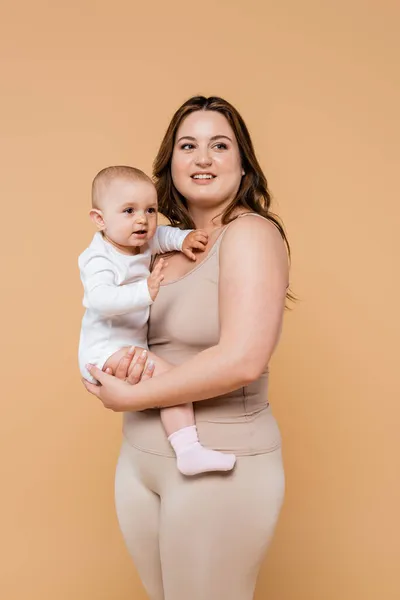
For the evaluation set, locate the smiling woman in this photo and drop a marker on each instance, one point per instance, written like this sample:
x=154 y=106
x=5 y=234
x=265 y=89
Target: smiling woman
x=209 y=162
x=212 y=331
x=219 y=140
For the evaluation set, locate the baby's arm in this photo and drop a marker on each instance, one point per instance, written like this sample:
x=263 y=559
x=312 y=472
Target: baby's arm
x=102 y=293
x=170 y=239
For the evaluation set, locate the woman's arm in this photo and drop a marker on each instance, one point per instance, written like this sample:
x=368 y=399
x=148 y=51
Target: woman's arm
x=253 y=282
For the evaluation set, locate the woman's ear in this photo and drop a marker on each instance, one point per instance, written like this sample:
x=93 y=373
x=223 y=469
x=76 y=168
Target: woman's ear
x=97 y=218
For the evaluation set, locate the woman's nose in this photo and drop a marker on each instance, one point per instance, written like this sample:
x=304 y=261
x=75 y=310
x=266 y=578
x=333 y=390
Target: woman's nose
x=203 y=159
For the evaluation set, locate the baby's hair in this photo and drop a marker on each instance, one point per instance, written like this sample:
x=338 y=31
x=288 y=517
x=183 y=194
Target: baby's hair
x=105 y=176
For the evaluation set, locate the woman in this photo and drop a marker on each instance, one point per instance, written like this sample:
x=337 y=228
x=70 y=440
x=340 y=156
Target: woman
x=212 y=329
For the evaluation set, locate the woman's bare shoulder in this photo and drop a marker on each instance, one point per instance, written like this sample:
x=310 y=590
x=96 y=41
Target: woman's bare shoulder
x=252 y=225
x=253 y=249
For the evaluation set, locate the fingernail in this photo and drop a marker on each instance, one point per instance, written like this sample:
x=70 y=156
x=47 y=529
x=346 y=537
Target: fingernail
x=151 y=364
x=88 y=367
x=131 y=349
x=144 y=353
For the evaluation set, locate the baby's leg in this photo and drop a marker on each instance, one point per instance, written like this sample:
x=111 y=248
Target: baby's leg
x=113 y=360
x=192 y=457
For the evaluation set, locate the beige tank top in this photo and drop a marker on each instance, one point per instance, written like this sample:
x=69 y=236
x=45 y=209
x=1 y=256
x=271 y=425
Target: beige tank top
x=184 y=321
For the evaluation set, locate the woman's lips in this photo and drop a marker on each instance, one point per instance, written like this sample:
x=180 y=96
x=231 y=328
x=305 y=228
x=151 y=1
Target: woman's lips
x=203 y=178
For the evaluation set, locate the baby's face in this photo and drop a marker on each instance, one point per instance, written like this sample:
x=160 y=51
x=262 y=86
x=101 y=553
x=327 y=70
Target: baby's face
x=130 y=212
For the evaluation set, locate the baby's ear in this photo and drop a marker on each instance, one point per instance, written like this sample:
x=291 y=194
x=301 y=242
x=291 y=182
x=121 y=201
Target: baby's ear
x=97 y=218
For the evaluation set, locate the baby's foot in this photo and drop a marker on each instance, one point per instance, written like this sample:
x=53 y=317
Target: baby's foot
x=193 y=458
x=198 y=459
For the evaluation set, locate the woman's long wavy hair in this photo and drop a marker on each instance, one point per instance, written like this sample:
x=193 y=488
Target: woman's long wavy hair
x=253 y=193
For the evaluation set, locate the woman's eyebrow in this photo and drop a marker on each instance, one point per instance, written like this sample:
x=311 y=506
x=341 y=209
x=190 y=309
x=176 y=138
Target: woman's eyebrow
x=217 y=137
x=187 y=137
x=212 y=139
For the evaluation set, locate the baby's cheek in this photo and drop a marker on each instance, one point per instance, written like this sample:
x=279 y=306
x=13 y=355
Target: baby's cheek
x=152 y=230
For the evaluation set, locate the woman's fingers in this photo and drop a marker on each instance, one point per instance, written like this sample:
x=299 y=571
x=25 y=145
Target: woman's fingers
x=148 y=371
x=91 y=387
x=136 y=371
x=97 y=373
x=122 y=370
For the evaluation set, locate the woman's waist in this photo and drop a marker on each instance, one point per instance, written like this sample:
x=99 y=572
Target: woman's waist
x=233 y=427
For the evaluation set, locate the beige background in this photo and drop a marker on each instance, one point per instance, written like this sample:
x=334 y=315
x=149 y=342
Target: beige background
x=88 y=84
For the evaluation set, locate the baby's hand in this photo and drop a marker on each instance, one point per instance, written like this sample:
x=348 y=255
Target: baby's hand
x=155 y=279
x=198 y=240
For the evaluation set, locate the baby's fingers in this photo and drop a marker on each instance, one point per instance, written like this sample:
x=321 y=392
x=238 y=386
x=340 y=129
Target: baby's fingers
x=157 y=279
x=201 y=236
x=187 y=252
x=199 y=245
x=160 y=266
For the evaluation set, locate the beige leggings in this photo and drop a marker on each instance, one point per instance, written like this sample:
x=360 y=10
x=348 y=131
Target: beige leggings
x=197 y=538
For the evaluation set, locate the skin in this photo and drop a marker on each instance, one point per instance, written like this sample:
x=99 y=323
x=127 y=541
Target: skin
x=127 y=206
x=252 y=287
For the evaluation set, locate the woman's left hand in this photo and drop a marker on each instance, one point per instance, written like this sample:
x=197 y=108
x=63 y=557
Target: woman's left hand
x=115 y=394
x=134 y=366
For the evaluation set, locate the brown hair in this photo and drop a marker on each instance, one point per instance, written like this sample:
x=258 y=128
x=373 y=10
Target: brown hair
x=253 y=193
x=105 y=176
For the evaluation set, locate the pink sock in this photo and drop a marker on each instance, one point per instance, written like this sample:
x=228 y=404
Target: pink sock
x=193 y=458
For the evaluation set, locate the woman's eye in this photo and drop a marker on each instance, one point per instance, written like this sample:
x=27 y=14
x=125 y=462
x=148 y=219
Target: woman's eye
x=221 y=146
x=151 y=211
x=187 y=147
x=128 y=211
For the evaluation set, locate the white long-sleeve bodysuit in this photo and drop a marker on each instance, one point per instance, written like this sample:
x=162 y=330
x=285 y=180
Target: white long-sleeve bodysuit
x=116 y=295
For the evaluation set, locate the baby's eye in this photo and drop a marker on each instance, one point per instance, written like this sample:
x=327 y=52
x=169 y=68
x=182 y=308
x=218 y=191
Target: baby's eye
x=151 y=210
x=128 y=211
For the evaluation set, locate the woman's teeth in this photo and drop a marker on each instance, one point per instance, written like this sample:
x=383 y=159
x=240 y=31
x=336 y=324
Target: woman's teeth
x=203 y=176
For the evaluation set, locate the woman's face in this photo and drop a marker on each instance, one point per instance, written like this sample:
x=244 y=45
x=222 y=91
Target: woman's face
x=206 y=167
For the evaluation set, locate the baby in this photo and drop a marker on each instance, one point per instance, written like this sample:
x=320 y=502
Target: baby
x=119 y=289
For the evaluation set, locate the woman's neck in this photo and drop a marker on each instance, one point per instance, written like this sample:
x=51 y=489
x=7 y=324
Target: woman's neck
x=209 y=220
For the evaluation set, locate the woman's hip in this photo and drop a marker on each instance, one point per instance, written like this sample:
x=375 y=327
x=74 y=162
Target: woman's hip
x=255 y=482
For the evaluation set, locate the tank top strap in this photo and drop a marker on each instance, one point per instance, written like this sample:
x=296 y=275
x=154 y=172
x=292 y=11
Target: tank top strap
x=221 y=235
